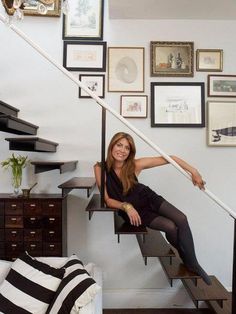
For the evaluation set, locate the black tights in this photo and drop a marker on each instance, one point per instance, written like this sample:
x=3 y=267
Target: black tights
x=175 y=225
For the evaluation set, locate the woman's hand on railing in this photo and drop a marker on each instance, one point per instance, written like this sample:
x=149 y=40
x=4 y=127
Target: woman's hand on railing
x=198 y=180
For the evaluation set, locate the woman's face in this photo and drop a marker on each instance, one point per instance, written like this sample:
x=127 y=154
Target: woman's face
x=120 y=151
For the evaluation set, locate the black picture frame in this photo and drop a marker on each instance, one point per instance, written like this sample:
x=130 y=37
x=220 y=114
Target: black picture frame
x=96 y=85
x=89 y=12
x=177 y=104
x=84 y=56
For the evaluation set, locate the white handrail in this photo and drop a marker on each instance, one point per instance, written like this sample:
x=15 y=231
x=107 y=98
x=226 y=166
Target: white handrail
x=113 y=112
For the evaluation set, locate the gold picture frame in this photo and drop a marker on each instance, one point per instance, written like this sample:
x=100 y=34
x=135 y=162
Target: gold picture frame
x=209 y=60
x=171 y=58
x=54 y=10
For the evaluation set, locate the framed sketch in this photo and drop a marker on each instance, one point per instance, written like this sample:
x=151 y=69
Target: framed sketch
x=177 y=104
x=221 y=123
x=84 y=56
x=95 y=82
x=222 y=85
x=171 y=58
x=133 y=106
x=36 y=8
x=209 y=60
x=84 y=20
x=125 y=69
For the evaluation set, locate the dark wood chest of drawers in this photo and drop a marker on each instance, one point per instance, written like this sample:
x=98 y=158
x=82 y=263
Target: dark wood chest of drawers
x=37 y=225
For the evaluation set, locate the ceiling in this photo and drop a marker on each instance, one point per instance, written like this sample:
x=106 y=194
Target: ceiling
x=173 y=9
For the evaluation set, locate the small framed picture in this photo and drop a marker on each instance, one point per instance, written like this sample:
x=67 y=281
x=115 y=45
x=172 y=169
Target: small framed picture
x=171 y=58
x=222 y=85
x=95 y=82
x=84 y=20
x=133 y=106
x=221 y=123
x=48 y=8
x=125 y=69
x=209 y=60
x=84 y=56
x=177 y=104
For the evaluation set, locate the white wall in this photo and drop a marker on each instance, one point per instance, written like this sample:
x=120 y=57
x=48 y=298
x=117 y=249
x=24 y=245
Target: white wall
x=47 y=98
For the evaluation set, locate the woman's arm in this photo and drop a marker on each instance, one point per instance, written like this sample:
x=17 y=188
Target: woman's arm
x=112 y=203
x=150 y=162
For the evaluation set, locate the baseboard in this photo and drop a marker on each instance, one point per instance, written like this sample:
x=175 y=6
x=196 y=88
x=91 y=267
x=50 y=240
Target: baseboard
x=147 y=298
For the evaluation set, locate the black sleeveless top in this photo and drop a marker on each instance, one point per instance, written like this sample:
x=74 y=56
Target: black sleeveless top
x=144 y=200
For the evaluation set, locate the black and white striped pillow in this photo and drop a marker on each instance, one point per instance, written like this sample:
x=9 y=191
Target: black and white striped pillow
x=29 y=286
x=76 y=289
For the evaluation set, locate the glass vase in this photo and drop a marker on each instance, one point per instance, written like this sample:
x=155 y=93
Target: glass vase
x=16 y=180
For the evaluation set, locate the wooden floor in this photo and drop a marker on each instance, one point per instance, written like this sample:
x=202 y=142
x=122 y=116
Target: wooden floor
x=158 y=311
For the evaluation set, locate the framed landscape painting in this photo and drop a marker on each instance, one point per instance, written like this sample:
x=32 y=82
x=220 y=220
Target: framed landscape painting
x=221 y=123
x=176 y=104
x=222 y=85
x=171 y=58
x=84 y=20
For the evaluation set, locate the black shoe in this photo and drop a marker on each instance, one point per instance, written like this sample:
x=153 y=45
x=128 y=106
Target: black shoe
x=200 y=272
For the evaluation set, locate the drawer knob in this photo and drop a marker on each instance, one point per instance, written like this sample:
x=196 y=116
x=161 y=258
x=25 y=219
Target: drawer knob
x=32 y=205
x=32 y=218
x=13 y=219
x=13 y=205
x=51 y=219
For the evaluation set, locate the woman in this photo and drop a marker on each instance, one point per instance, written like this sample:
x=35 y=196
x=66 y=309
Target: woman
x=138 y=204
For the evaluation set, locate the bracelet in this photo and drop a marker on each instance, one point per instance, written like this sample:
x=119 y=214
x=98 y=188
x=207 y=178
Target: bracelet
x=126 y=206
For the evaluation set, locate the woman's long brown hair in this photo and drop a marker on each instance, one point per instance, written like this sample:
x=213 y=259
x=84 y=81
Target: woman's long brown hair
x=127 y=175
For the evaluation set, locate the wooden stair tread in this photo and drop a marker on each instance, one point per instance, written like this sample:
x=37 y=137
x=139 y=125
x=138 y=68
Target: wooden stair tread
x=122 y=227
x=15 y=125
x=87 y=183
x=154 y=245
x=176 y=269
x=63 y=166
x=31 y=144
x=227 y=306
x=7 y=109
x=203 y=292
x=94 y=205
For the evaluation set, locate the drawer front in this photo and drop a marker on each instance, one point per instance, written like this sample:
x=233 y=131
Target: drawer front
x=14 y=235
x=52 y=249
x=52 y=222
x=52 y=208
x=52 y=235
x=34 y=235
x=1 y=221
x=14 y=222
x=32 y=208
x=13 y=208
x=33 y=222
x=1 y=208
x=14 y=248
x=2 y=237
x=34 y=248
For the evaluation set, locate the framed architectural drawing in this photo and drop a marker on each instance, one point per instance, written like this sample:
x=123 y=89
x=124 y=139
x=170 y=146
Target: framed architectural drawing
x=84 y=20
x=171 y=58
x=177 y=104
x=36 y=8
x=133 y=106
x=84 y=56
x=210 y=60
x=222 y=85
x=125 y=69
x=221 y=123
x=95 y=82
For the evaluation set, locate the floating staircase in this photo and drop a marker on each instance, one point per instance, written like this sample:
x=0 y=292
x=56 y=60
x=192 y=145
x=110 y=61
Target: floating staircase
x=153 y=244
x=10 y=123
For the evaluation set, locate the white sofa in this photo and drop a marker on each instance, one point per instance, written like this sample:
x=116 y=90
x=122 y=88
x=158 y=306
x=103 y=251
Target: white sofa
x=94 y=307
